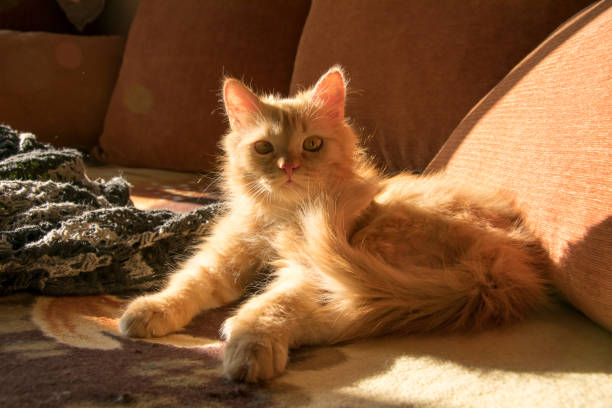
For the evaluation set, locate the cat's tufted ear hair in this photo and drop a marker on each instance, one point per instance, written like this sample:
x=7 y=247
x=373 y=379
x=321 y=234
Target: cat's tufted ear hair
x=330 y=93
x=241 y=105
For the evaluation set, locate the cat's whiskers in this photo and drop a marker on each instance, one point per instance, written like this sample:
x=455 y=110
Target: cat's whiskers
x=257 y=190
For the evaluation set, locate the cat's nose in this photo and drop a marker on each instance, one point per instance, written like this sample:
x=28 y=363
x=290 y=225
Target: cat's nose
x=287 y=165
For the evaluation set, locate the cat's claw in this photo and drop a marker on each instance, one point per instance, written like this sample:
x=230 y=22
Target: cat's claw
x=145 y=317
x=254 y=358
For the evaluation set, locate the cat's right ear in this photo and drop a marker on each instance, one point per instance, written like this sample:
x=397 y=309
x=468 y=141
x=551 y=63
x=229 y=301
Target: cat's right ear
x=241 y=105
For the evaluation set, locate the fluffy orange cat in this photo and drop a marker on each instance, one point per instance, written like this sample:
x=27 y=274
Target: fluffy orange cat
x=352 y=253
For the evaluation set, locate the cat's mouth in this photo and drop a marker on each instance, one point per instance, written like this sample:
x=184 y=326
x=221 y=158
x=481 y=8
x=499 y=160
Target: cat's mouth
x=288 y=182
x=295 y=181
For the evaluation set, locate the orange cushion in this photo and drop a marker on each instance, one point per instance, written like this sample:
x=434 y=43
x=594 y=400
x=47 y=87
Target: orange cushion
x=416 y=69
x=545 y=134
x=165 y=111
x=57 y=86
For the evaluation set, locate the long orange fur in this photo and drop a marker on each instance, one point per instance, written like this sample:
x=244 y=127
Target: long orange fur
x=352 y=253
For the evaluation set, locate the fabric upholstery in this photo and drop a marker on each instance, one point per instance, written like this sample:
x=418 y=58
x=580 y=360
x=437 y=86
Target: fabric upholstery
x=165 y=110
x=57 y=86
x=415 y=69
x=545 y=134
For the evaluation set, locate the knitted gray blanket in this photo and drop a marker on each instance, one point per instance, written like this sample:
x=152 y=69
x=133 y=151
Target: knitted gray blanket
x=63 y=234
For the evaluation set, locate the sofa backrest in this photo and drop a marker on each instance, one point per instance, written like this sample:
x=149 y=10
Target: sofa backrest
x=545 y=134
x=58 y=86
x=417 y=67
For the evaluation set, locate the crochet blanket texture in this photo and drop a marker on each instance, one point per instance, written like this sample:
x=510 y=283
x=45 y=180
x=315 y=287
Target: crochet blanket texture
x=63 y=234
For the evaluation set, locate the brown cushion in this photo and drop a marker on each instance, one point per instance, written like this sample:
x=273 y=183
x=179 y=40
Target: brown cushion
x=545 y=134
x=57 y=86
x=417 y=69
x=165 y=110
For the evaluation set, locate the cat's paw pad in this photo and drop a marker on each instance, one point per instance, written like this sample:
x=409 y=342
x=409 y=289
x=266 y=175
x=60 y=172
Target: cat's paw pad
x=253 y=358
x=145 y=317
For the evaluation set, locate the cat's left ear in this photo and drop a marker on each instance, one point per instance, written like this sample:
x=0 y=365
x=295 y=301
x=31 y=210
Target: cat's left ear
x=241 y=105
x=330 y=92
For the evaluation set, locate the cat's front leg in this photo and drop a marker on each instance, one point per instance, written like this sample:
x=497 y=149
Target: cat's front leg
x=151 y=316
x=252 y=355
x=216 y=275
x=259 y=336
x=194 y=288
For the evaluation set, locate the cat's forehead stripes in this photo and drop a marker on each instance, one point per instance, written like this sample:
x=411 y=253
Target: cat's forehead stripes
x=289 y=122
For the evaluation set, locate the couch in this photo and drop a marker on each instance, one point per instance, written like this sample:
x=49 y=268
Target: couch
x=511 y=95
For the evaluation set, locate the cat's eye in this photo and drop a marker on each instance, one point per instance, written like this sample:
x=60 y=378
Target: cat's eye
x=313 y=144
x=263 y=147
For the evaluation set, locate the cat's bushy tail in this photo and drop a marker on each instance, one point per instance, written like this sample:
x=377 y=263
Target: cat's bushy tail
x=376 y=297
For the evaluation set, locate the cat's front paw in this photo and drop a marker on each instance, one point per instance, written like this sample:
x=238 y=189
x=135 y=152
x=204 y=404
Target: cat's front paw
x=253 y=358
x=146 y=317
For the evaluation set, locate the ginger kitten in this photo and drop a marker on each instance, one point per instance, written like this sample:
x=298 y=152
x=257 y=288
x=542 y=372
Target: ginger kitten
x=353 y=253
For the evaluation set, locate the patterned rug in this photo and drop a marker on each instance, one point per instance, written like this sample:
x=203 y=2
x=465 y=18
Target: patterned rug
x=67 y=352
